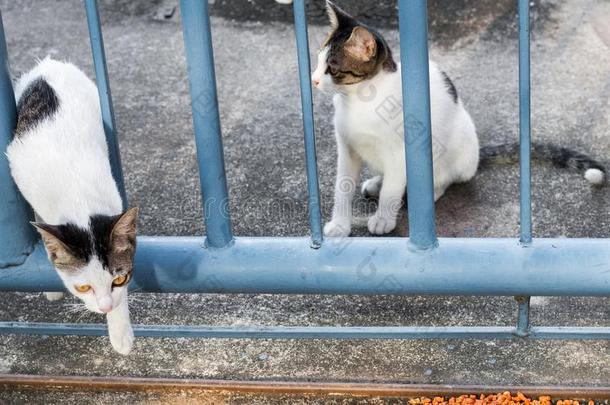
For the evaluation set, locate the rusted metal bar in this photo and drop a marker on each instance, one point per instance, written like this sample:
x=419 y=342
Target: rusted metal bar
x=140 y=384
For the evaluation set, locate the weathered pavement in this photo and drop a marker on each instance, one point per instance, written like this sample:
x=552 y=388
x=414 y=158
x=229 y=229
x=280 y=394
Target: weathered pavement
x=260 y=111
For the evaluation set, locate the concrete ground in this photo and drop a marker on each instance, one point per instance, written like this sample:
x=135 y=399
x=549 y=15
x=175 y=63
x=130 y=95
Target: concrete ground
x=475 y=42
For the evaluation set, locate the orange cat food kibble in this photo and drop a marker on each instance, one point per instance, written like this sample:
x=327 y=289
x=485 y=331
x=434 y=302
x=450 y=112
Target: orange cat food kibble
x=504 y=398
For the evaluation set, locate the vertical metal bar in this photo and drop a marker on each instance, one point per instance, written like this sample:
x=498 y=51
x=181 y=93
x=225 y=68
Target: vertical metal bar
x=17 y=236
x=523 y=320
x=413 y=18
x=206 y=121
x=523 y=316
x=103 y=88
x=524 y=122
x=315 y=217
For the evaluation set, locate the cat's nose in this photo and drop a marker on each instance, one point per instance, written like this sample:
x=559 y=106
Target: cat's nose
x=105 y=304
x=315 y=81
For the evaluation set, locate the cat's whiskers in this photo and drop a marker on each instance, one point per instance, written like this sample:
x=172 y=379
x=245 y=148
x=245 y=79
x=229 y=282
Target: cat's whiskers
x=340 y=91
x=82 y=315
x=74 y=307
x=77 y=308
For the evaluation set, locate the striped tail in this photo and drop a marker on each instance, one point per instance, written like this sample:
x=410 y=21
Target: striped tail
x=564 y=158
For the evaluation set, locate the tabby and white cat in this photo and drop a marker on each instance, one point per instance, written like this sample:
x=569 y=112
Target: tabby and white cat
x=59 y=160
x=355 y=64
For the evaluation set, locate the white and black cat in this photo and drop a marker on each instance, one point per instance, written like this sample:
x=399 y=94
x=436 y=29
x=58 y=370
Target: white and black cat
x=356 y=65
x=59 y=160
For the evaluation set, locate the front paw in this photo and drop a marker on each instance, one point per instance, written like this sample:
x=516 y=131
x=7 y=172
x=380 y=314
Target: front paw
x=337 y=228
x=121 y=338
x=380 y=225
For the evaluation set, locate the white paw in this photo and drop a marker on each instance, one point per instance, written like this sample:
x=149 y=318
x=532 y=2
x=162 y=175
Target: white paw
x=380 y=225
x=122 y=338
x=372 y=187
x=336 y=228
x=54 y=296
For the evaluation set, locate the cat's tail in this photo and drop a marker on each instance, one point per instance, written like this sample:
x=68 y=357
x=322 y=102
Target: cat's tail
x=564 y=158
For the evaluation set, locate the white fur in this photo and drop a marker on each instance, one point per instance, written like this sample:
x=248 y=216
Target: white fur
x=367 y=133
x=62 y=169
x=594 y=176
x=69 y=146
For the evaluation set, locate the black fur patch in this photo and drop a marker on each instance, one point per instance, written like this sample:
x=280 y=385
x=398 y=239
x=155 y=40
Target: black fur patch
x=75 y=238
x=85 y=244
x=342 y=68
x=450 y=87
x=101 y=228
x=37 y=103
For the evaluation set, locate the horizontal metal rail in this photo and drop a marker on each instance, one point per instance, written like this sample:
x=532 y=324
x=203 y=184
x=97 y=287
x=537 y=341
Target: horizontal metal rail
x=313 y=332
x=459 y=266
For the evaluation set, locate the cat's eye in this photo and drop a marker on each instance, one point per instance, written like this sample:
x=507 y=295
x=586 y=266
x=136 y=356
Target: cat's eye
x=120 y=280
x=82 y=288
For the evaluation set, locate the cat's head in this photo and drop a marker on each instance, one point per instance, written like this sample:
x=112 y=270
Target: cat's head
x=96 y=263
x=351 y=54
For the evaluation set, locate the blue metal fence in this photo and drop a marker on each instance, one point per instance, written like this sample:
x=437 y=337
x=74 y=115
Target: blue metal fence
x=222 y=263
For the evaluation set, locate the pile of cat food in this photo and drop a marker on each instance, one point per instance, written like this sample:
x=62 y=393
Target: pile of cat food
x=505 y=398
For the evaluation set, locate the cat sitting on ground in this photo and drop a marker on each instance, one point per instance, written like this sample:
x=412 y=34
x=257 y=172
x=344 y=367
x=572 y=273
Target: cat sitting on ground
x=59 y=160
x=356 y=64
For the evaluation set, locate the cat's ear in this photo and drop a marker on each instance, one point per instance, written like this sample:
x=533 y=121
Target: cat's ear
x=59 y=254
x=336 y=16
x=124 y=231
x=361 y=44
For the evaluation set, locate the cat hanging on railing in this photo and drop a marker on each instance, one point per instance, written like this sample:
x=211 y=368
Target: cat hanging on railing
x=356 y=64
x=59 y=160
